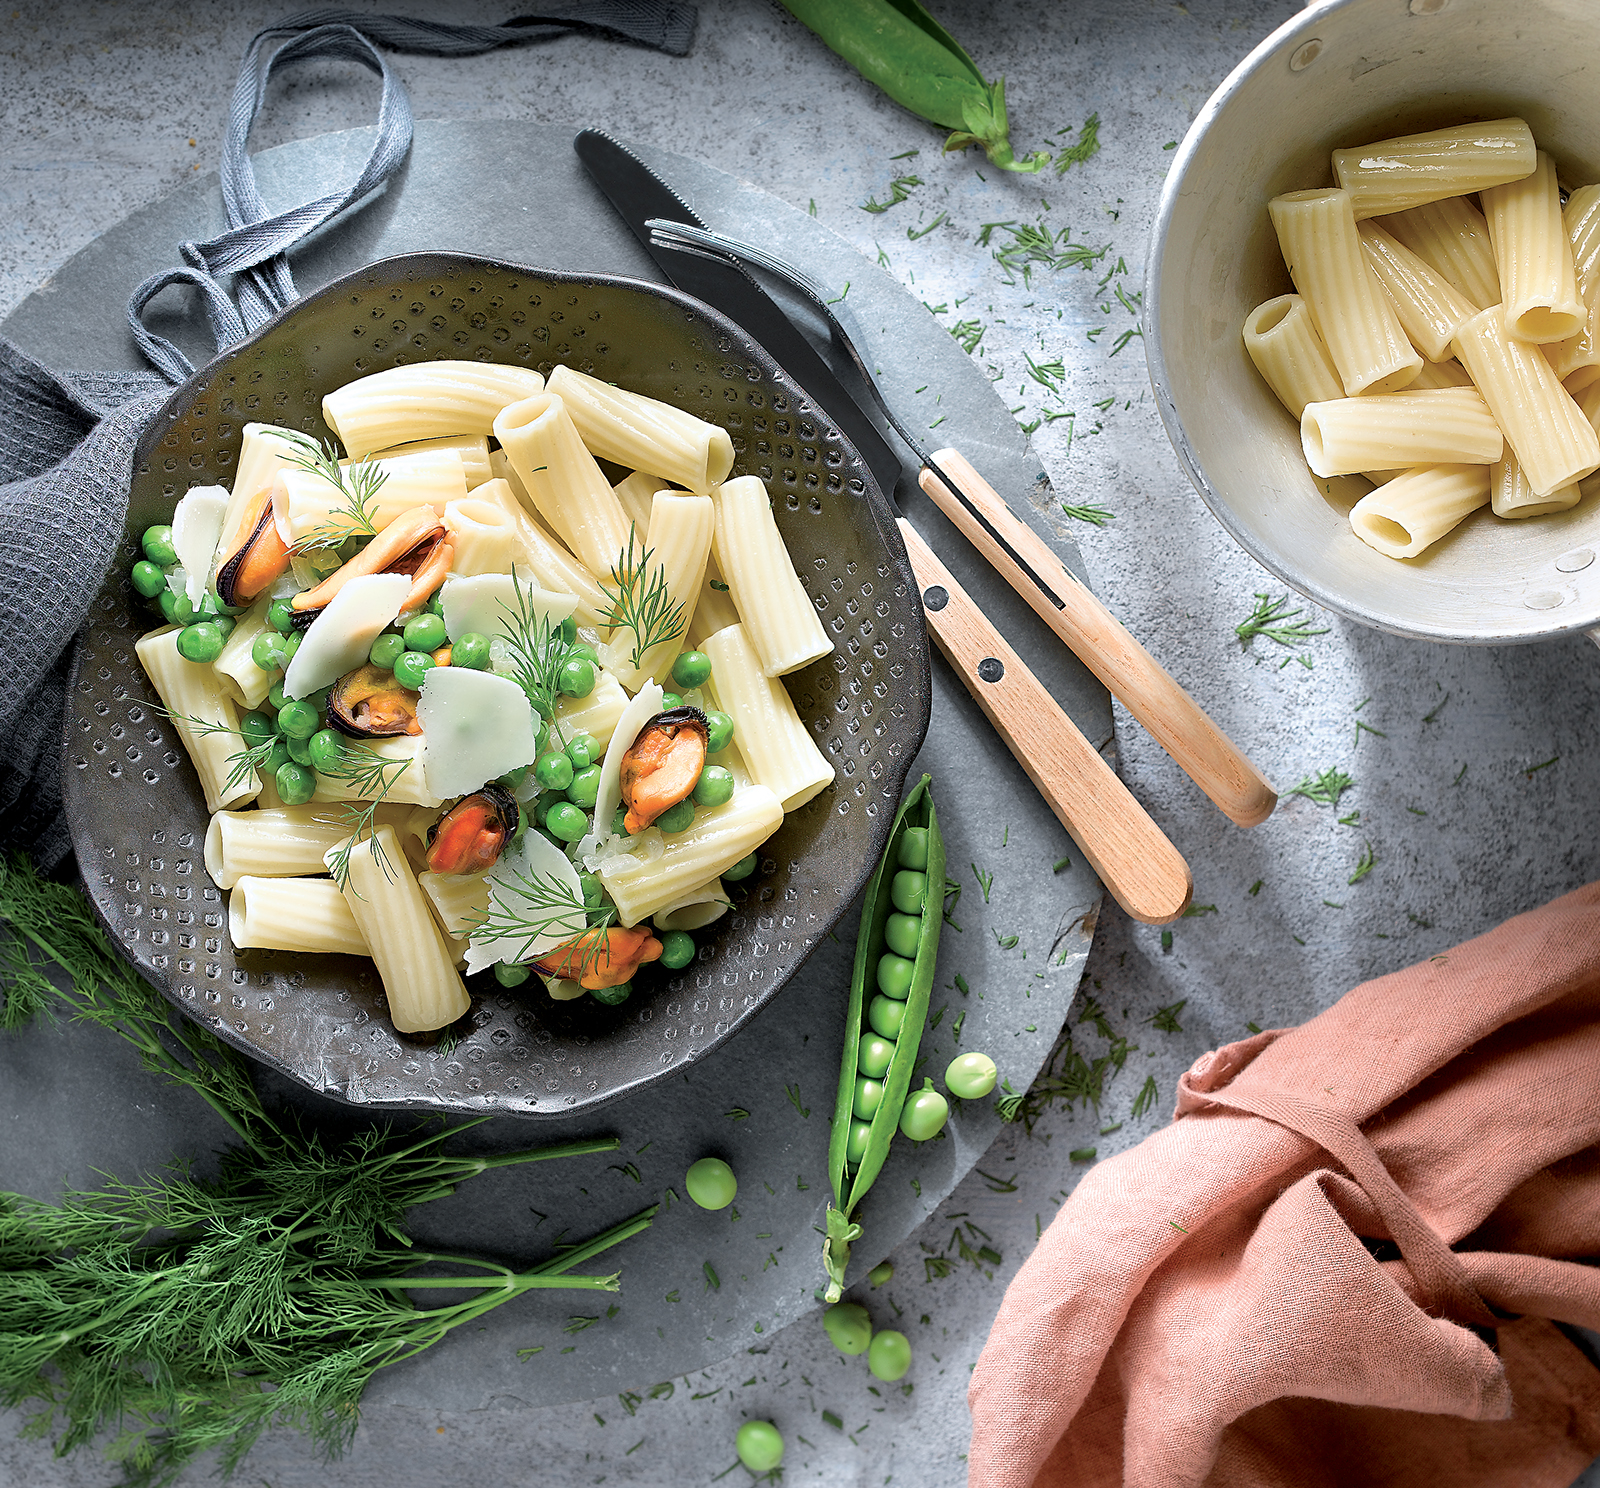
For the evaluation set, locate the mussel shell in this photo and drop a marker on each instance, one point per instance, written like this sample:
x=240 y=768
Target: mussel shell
x=493 y=796
x=677 y=718
x=359 y=686
x=228 y=573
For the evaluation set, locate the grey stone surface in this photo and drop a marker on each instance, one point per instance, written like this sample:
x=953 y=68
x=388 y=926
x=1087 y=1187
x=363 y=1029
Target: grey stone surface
x=97 y=104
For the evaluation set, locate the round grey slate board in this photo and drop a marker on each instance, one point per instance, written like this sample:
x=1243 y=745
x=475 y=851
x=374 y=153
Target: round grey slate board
x=697 y=1286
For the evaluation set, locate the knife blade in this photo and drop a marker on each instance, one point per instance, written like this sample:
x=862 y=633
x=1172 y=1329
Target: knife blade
x=1138 y=865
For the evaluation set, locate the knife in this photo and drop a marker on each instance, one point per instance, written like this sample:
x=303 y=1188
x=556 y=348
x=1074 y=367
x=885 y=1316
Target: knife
x=1144 y=873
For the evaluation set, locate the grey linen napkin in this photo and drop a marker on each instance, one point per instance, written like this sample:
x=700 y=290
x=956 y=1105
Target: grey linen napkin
x=66 y=454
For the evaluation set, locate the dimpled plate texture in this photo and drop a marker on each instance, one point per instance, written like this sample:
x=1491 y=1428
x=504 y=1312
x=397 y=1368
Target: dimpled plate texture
x=138 y=816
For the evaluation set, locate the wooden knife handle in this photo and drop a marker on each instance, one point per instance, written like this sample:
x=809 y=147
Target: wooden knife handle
x=1148 y=690
x=1145 y=873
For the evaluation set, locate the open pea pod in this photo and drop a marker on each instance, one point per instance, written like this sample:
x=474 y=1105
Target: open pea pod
x=849 y=1187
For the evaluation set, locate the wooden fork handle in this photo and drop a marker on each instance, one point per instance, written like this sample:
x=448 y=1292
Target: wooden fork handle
x=1179 y=724
x=1144 y=872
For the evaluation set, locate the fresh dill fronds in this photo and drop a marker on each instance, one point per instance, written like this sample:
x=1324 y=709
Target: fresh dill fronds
x=1365 y=864
x=1324 y=788
x=241 y=762
x=922 y=232
x=372 y=777
x=985 y=881
x=970 y=334
x=1035 y=245
x=536 y=650
x=1127 y=336
x=1083 y=150
x=1165 y=1019
x=642 y=601
x=527 y=908
x=358 y=484
x=1047 y=374
x=899 y=190
x=1533 y=770
x=1195 y=911
x=1277 y=622
x=1146 y=1098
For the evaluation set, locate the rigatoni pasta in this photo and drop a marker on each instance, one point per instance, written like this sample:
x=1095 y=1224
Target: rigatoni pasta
x=1289 y=353
x=427 y=400
x=1538 y=285
x=1394 y=174
x=1429 y=306
x=1577 y=360
x=1451 y=237
x=204 y=715
x=1440 y=426
x=306 y=915
x=1410 y=513
x=1511 y=493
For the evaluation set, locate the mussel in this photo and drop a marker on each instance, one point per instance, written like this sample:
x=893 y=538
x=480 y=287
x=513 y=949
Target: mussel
x=662 y=764
x=472 y=834
x=259 y=557
x=369 y=704
x=602 y=958
x=416 y=543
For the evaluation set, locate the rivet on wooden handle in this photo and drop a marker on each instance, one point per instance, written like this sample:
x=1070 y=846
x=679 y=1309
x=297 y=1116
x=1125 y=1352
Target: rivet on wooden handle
x=1143 y=871
x=1176 y=721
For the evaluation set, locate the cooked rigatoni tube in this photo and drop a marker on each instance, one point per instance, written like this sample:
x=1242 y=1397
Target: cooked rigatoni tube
x=483 y=535
x=408 y=786
x=460 y=900
x=778 y=614
x=1413 y=511
x=1511 y=494
x=1554 y=443
x=412 y=956
x=561 y=478
x=264 y=450
x=1445 y=374
x=1411 y=169
x=473 y=449
x=427 y=400
x=665 y=578
x=1577 y=360
x=1317 y=232
x=1451 y=237
x=309 y=506
x=1288 y=352
x=539 y=553
x=1443 y=426
x=284 y=843
x=1429 y=306
x=596 y=715
x=714 y=841
x=246 y=682
x=204 y=715
x=645 y=433
x=775 y=744
x=716 y=610
x=1538 y=284
x=293 y=914
x=636 y=493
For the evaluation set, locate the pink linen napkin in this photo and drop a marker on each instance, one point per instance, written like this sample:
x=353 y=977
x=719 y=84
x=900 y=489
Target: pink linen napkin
x=1343 y=1262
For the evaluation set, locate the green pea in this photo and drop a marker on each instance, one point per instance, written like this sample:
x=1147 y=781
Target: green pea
x=583 y=651
x=873 y=1055
x=611 y=996
x=885 y=1015
x=894 y=976
x=183 y=613
x=291 y=644
x=584 y=750
x=256 y=727
x=889 y=1355
x=903 y=933
x=471 y=651
x=300 y=751
x=167 y=603
x=855 y=1147
x=577 y=678
x=677 y=949
x=569 y=629
x=388 y=649
x=970 y=1076
x=869 y=1096
x=424 y=632
x=280 y=616
x=925 y=1114
x=882 y=1272
x=513 y=779
x=297 y=720
x=669 y=701
x=720 y=728
x=266 y=651
x=759 y=1445
x=510 y=975
x=224 y=624
x=147 y=578
x=908 y=892
x=276 y=698
x=913 y=851
x=296 y=784
x=742 y=869
x=410 y=667
x=567 y=822
x=541 y=737
x=677 y=818
x=692 y=669
x=277 y=758
x=714 y=786
x=435 y=605
x=585 y=788
x=326 y=747
x=711 y=1183
x=553 y=771
x=848 y=1325
x=157 y=545
x=201 y=642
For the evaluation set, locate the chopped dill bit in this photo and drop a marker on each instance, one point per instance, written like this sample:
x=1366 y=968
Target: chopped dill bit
x=831 y=1418
x=1365 y=864
x=713 y=1282
x=1256 y=887
x=1351 y=820
x=1296 y=939
x=1008 y=1107
x=1146 y=1097
x=1363 y=727
x=1362 y=704
x=578 y=1324
x=1277 y=622
x=996 y=1185
x=1083 y=150
x=642 y=602
x=528 y=1353
x=1005 y=942
x=1127 y=336
x=1416 y=811
x=1534 y=769
x=1173 y=145
x=883 y=258
x=1105 y=1131
x=899 y=190
x=1253 y=1027
x=842 y=293
x=943 y=416
x=1194 y=911
x=793 y=1092
x=1046 y=374
x=934 y=309
x=1081 y=1154
x=952 y=901
x=915 y=233
x=1094 y=1013
x=970 y=334
x=1461 y=772
x=1437 y=709
x=1165 y=1019
x=357 y=484
x=1031 y=426
x=1418 y=920
x=1052 y=414
x=985 y=881
x=955 y=1028
x=1032 y=245
x=1096 y=516
x=906 y=155
x=738 y=1113
x=812 y=209
x=1330 y=904
x=961 y=985
x=1325 y=788
x=1059 y=864
x=1166 y=941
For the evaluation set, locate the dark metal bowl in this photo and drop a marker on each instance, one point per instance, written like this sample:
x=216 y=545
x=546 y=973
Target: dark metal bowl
x=138 y=815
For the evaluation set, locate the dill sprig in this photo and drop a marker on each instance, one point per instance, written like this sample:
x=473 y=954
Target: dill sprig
x=548 y=907
x=1085 y=149
x=1096 y=516
x=970 y=334
x=1323 y=788
x=190 y=1315
x=358 y=484
x=1047 y=374
x=370 y=774
x=241 y=762
x=642 y=601
x=899 y=190
x=1277 y=622
x=1364 y=864
x=1033 y=245
x=536 y=649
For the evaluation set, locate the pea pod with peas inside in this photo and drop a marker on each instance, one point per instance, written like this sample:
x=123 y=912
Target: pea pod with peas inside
x=889 y=989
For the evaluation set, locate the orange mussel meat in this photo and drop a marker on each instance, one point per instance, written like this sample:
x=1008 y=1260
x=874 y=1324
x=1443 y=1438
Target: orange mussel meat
x=662 y=765
x=472 y=834
x=602 y=958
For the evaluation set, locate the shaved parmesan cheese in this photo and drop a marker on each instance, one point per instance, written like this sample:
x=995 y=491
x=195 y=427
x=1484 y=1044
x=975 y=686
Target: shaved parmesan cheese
x=477 y=726
x=196 y=530
x=342 y=635
x=488 y=604
x=639 y=712
x=535 y=905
